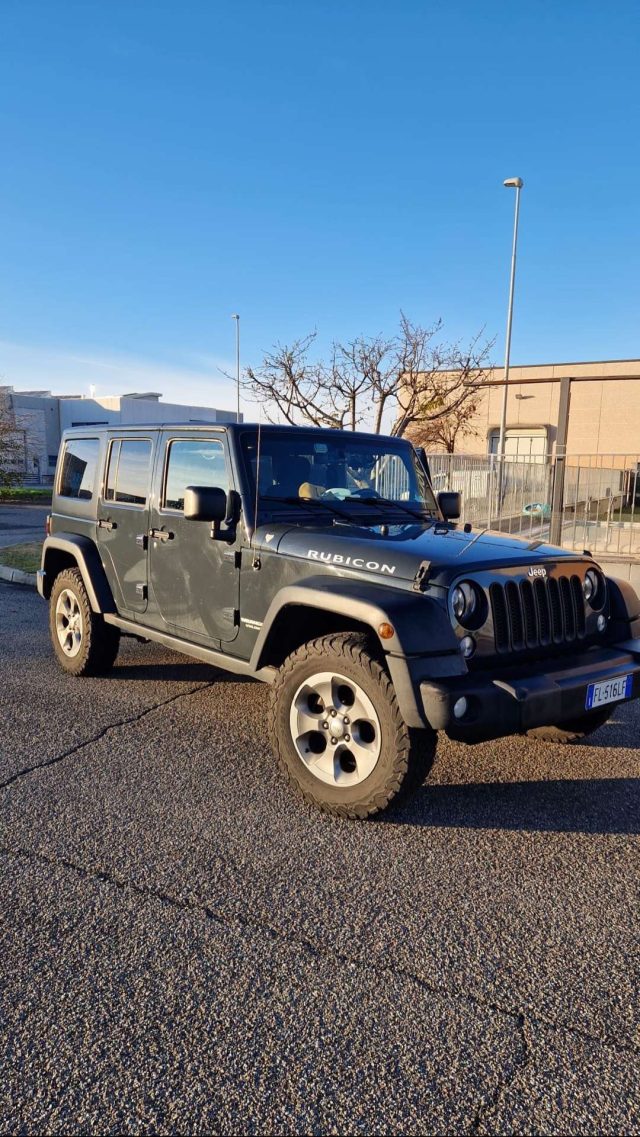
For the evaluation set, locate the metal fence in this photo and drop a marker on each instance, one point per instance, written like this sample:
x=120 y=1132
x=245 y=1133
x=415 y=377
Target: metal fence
x=599 y=508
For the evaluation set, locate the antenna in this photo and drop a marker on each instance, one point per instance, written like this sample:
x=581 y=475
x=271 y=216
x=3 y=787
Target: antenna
x=255 y=564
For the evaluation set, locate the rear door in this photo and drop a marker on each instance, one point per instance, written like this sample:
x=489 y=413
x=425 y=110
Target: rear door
x=123 y=520
x=194 y=578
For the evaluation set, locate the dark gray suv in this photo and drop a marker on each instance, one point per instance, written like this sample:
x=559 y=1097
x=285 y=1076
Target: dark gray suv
x=323 y=563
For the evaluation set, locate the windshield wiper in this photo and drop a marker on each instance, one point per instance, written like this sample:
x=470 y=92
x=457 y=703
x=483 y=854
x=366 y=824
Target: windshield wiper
x=396 y=505
x=305 y=501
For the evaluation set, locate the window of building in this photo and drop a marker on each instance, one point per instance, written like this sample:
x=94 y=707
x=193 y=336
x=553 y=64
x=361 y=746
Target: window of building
x=521 y=443
x=193 y=462
x=78 y=472
x=128 y=471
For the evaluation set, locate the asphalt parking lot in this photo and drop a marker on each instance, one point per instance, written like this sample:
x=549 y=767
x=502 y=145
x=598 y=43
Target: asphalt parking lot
x=186 y=948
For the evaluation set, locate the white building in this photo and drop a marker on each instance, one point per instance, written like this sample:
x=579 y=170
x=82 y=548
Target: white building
x=39 y=419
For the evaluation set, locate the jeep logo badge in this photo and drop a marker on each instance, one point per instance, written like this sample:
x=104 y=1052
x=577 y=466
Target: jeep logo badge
x=537 y=570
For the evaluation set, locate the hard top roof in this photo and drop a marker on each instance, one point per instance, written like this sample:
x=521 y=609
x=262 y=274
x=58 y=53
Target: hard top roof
x=91 y=430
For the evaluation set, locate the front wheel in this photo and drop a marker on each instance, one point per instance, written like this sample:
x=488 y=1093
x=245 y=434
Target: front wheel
x=574 y=729
x=337 y=730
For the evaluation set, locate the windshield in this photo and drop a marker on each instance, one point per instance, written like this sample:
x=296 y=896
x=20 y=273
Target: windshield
x=357 y=474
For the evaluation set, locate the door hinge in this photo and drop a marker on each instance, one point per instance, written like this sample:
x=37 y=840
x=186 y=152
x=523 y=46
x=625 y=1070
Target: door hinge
x=235 y=556
x=231 y=616
x=141 y=591
x=141 y=540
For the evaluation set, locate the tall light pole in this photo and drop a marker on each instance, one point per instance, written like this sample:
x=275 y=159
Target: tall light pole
x=517 y=184
x=236 y=317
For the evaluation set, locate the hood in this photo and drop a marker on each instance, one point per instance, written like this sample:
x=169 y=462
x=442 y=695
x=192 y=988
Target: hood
x=399 y=552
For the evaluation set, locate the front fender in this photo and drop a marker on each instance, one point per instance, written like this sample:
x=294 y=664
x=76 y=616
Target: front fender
x=423 y=641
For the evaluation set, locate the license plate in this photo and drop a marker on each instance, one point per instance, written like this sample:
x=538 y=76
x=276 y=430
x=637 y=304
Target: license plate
x=611 y=691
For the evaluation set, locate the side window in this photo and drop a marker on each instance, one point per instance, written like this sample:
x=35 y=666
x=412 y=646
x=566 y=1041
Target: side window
x=78 y=472
x=193 y=462
x=128 y=471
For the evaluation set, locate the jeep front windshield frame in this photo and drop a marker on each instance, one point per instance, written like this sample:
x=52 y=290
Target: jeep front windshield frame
x=351 y=471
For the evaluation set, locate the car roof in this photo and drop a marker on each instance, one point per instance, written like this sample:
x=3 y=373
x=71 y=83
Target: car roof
x=88 y=429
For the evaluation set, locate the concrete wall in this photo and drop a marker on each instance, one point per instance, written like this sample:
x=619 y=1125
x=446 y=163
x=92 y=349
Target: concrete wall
x=604 y=416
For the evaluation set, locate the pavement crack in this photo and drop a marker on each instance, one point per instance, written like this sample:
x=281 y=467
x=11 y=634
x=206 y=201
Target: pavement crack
x=101 y=734
x=520 y=1064
x=241 y=923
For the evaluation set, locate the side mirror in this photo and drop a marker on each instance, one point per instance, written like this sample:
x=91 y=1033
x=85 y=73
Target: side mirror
x=205 y=503
x=450 y=505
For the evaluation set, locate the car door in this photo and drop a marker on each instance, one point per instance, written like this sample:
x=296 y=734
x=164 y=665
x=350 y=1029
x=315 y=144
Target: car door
x=123 y=520
x=193 y=575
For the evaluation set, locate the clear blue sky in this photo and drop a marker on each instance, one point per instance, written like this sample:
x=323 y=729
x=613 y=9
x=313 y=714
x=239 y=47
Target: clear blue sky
x=310 y=163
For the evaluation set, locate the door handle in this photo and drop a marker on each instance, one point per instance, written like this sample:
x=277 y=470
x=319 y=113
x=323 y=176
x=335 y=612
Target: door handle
x=106 y=523
x=161 y=535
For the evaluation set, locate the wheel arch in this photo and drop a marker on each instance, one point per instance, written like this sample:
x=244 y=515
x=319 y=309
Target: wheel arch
x=74 y=551
x=320 y=606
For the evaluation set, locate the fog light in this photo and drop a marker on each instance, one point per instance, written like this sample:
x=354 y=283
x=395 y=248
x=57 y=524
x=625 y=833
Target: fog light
x=460 y=708
x=467 y=646
x=601 y=622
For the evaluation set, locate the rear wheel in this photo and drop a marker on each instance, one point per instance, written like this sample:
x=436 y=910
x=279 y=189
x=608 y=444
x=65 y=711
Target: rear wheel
x=337 y=730
x=82 y=642
x=574 y=729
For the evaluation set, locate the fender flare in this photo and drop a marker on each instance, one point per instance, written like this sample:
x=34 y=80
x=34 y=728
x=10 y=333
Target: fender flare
x=84 y=553
x=421 y=628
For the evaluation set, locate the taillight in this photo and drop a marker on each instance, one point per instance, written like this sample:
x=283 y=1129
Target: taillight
x=47 y=526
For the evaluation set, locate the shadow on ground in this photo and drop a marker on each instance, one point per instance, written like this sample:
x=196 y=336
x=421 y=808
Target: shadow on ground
x=590 y=805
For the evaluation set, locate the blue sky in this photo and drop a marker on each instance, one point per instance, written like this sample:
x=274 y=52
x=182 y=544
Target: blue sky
x=310 y=164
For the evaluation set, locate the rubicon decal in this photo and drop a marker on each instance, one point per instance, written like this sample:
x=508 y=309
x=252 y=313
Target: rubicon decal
x=351 y=562
x=537 y=570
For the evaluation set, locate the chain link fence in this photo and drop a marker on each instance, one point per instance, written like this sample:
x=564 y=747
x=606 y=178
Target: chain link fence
x=600 y=508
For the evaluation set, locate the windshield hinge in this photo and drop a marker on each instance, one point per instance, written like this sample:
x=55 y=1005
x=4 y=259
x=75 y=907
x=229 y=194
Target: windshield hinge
x=421 y=578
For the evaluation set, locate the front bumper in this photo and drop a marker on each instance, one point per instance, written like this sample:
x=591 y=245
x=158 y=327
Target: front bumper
x=521 y=698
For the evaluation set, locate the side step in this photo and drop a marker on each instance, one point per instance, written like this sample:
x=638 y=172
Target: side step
x=197 y=651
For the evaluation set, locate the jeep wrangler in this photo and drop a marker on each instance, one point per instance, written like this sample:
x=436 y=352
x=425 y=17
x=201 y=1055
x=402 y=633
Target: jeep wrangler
x=323 y=563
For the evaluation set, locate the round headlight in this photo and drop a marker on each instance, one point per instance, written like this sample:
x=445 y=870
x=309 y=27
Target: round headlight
x=464 y=601
x=590 y=586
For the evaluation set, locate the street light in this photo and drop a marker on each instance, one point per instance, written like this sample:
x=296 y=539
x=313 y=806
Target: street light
x=516 y=184
x=236 y=317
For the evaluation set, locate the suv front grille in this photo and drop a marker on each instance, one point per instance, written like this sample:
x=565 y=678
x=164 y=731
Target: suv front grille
x=538 y=613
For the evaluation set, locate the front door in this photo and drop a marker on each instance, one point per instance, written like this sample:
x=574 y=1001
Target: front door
x=193 y=577
x=123 y=520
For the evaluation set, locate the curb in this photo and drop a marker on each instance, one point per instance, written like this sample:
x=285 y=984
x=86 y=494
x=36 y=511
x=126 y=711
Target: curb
x=17 y=576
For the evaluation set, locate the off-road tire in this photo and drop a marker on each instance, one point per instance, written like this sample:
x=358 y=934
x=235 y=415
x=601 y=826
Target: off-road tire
x=406 y=755
x=574 y=730
x=99 y=641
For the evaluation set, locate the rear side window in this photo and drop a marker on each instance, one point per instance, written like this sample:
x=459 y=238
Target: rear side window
x=79 y=464
x=128 y=471
x=193 y=462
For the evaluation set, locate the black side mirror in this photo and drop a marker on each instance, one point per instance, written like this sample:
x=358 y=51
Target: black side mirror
x=205 y=503
x=450 y=505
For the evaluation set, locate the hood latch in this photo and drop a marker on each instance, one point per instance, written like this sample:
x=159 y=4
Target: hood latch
x=421 y=578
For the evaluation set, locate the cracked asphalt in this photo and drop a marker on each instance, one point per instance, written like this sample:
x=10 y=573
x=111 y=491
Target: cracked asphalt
x=186 y=948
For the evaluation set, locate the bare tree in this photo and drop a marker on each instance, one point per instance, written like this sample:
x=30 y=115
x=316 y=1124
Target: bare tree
x=12 y=446
x=413 y=377
x=292 y=386
x=443 y=433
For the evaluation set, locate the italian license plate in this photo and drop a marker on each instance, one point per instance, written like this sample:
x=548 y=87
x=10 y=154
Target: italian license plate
x=610 y=691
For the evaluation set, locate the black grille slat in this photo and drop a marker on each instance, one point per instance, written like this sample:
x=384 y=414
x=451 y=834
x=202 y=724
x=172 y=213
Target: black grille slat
x=516 y=622
x=529 y=613
x=555 y=606
x=536 y=613
x=568 y=613
x=578 y=606
x=544 y=612
x=500 y=618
